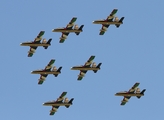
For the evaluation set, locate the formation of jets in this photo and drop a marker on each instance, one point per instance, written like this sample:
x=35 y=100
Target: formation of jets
x=89 y=64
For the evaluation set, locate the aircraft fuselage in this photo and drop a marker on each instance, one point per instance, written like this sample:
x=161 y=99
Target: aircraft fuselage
x=84 y=68
x=106 y=22
x=66 y=30
x=55 y=104
x=34 y=44
x=44 y=72
x=128 y=94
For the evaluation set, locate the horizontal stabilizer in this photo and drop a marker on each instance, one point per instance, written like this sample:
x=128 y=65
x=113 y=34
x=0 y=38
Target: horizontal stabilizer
x=142 y=92
x=70 y=102
x=48 y=42
x=120 y=21
x=81 y=28
x=98 y=66
x=59 y=70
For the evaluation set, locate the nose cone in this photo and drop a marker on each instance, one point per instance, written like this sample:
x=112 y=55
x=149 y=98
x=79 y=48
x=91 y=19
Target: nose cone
x=116 y=94
x=21 y=43
x=44 y=103
x=93 y=22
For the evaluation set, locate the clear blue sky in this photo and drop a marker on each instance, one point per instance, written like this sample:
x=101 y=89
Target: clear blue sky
x=129 y=54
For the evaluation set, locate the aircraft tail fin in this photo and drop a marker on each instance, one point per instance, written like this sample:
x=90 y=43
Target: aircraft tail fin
x=48 y=42
x=59 y=70
x=98 y=66
x=70 y=102
x=80 y=28
x=142 y=92
x=120 y=21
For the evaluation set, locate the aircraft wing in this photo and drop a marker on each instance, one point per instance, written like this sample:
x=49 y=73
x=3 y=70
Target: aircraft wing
x=54 y=109
x=81 y=74
x=132 y=90
x=49 y=66
x=112 y=15
x=103 y=29
x=125 y=100
x=39 y=36
x=42 y=78
x=31 y=51
x=61 y=97
x=63 y=37
x=89 y=62
x=71 y=23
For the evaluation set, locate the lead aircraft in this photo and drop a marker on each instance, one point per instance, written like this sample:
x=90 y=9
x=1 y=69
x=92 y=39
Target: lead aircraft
x=61 y=101
x=47 y=70
x=69 y=28
x=89 y=65
x=109 y=21
x=37 y=42
x=134 y=91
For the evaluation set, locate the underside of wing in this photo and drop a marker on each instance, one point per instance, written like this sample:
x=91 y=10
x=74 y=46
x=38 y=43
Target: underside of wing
x=42 y=78
x=89 y=61
x=103 y=29
x=50 y=64
x=112 y=15
x=53 y=110
x=81 y=74
x=113 y=12
x=63 y=95
x=132 y=90
x=73 y=20
x=40 y=34
x=125 y=100
x=63 y=37
x=31 y=51
x=39 y=37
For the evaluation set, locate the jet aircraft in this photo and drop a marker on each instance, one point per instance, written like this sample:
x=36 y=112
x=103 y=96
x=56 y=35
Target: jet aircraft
x=44 y=72
x=59 y=102
x=69 y=28
x=37 y=42
x=134 y=91
x=109 y=21
x=89 y=65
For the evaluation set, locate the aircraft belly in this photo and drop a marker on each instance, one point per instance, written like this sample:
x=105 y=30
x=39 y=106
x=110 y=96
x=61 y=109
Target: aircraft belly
x=122 y=94
x=64 y=30
x=56 y=104
x=106 y=22
x=34 y=45
x=85 y=68
x=45 y=72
